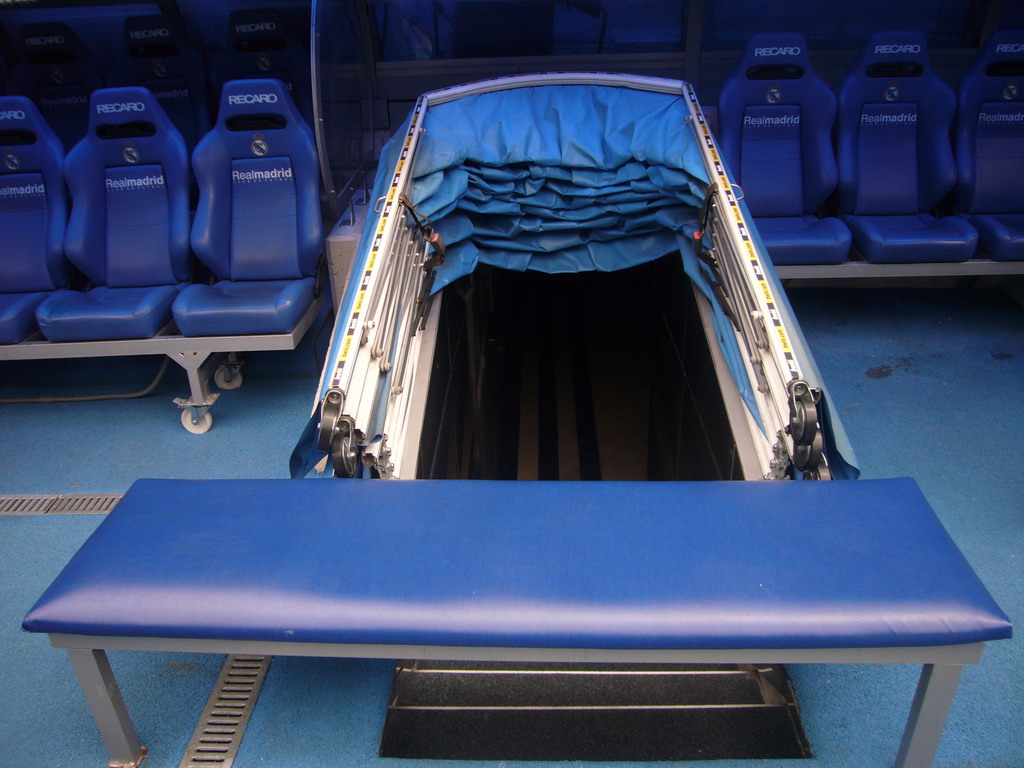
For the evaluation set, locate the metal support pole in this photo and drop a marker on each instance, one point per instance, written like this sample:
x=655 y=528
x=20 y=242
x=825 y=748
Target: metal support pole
x=934 y=697
x=199 y=366
x=107 y=706
x=694 y=37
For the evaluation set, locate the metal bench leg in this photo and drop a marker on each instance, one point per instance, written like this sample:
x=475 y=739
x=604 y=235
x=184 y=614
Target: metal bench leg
x=108 y=709
x=935 y=691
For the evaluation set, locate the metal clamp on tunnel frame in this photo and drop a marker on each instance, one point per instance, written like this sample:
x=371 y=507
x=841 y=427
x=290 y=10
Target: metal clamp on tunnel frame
x=736 y=272
x=379 y=352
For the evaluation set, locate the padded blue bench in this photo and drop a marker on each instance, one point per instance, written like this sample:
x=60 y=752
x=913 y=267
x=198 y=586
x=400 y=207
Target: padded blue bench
x=611 y=572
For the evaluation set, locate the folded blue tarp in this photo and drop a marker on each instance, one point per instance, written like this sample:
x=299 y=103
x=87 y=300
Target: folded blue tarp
x=567 y=178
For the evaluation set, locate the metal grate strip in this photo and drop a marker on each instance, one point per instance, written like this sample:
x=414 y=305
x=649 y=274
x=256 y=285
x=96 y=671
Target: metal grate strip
x=58 y=504
x=26 y=503
x=219 y=732
x=84 y=503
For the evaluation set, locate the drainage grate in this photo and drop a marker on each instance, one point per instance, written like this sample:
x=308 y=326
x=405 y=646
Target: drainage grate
x=219 y=733
x=84 y=503
x=26 y=504
x=58 y=504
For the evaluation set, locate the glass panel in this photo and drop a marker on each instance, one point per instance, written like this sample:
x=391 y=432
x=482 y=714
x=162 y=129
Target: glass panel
x=409 y=30
x=345 y=89
x=842 y=23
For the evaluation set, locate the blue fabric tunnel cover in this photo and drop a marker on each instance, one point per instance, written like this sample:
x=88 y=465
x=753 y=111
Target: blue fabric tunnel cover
x=559 y=178
x=565 y=179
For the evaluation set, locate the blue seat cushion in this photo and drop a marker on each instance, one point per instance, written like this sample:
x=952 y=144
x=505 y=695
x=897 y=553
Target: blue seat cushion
x=1000 y=235
x=841 y=564
x=804 y=239
x=18 y=315
x=231 y=308
x=912 y=238
x=106 y=313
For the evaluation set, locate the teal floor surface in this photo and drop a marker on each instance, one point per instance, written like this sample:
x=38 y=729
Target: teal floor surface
x=929 y=383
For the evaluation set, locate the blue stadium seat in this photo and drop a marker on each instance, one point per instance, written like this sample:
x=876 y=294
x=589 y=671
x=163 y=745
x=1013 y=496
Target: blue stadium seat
x=58 y=73
x=158 y=55
x=260 y=46
x=895 y=158
x=128 y=230
x=33 y=214
x=775 y=121
x=990 y=146
x=257 y=226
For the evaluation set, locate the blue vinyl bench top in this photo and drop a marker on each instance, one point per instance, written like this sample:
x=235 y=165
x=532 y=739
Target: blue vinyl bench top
x=760 y=565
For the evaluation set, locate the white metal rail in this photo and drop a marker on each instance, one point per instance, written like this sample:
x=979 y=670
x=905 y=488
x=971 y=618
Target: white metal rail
x=788 y=406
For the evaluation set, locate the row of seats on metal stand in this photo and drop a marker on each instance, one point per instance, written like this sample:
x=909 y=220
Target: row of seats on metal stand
x=897 y=191
x=130 y=234
x=58 y=72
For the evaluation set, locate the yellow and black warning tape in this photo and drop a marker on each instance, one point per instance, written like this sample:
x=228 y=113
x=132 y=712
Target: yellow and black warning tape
x=378 y=238
x=766 y=292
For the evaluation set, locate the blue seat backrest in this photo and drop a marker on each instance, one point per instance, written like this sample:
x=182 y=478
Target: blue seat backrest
x=58 y=73
x=259 y=187
x=990 y=128
x=261 y=46
x=775 y=121
x=158 y=55
x=129 y=189
x=895 y=115
x=33 y=208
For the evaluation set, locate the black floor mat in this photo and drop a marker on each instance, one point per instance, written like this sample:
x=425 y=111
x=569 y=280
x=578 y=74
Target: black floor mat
x=458 y=711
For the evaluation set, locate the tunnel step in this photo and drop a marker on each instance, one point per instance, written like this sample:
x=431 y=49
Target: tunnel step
x=460 y=711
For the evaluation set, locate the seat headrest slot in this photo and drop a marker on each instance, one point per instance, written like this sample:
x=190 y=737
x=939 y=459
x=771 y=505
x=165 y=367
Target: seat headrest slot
x=1005 y=69
x=17 y=137
x=258 y=44
x=894 y=69
x=51 y=56
x=155 y=51
x=136 y=129
x=256 y=122
x=775 y=72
